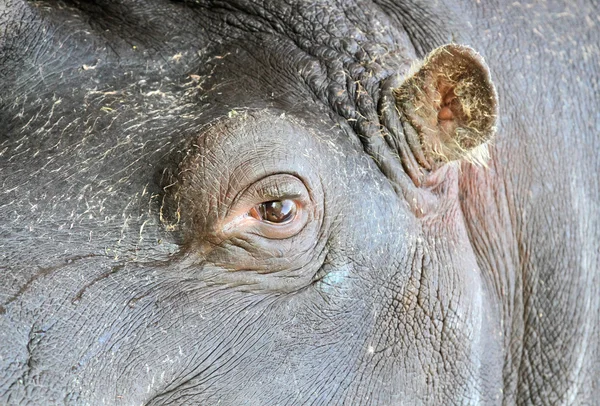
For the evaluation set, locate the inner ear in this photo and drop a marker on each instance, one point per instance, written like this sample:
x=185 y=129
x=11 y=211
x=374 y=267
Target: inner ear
x=451 y=102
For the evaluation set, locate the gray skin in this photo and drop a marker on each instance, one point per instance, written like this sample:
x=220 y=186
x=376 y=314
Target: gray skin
x=133 y=132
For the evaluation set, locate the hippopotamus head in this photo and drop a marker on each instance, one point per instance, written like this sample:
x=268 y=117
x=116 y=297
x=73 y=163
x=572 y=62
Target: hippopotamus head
x=245 y=203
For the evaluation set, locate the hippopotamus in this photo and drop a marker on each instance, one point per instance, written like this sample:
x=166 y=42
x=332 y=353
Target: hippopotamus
x=361 y=202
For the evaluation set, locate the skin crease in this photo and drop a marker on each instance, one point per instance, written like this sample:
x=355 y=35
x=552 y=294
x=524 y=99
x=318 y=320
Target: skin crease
x=134 y=133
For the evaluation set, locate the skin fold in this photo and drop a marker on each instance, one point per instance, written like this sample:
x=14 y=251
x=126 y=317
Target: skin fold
x=140 y=146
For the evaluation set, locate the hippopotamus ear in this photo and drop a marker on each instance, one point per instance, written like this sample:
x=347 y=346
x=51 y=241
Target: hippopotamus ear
x=451 y=102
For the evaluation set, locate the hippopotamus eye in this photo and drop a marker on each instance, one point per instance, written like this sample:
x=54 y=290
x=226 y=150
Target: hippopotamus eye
x=275 y=211
x=275 y=207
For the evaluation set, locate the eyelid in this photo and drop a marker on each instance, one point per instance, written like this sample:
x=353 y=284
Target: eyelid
x=287 y=186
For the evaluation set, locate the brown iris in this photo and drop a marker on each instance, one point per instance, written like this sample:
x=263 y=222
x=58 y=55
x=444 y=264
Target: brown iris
x=275 y=211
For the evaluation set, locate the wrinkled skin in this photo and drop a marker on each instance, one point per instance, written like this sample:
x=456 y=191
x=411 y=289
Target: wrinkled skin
x=129 y=129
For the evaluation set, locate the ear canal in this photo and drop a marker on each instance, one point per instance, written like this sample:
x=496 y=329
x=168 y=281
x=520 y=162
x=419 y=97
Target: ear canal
x=451 y=102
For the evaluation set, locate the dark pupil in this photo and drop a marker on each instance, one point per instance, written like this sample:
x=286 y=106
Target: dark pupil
x=277 y=211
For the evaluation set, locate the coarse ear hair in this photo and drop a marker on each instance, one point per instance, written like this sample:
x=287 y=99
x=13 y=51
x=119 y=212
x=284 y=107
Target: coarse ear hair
x=451 y=102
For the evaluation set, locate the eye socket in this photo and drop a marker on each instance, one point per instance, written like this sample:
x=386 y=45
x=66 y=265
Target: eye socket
x=275 y=211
